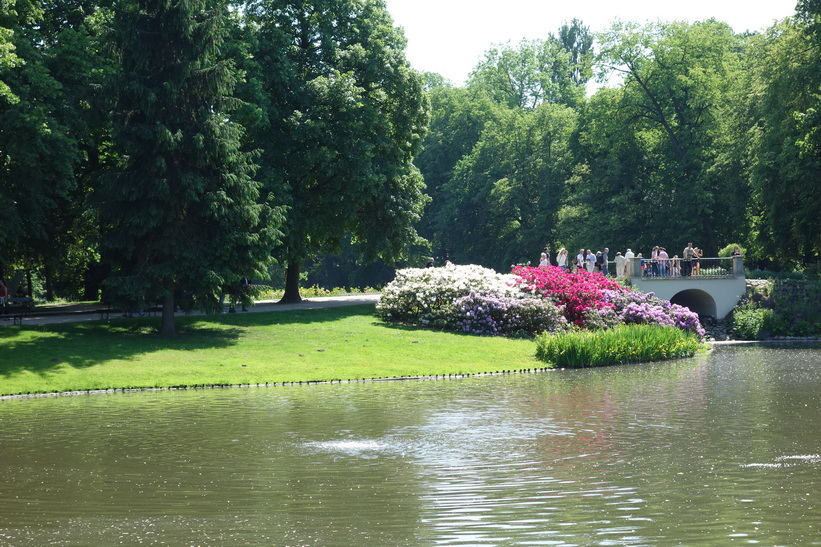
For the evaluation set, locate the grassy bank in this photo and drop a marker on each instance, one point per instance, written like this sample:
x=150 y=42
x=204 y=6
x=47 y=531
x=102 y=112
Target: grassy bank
x=346 y=343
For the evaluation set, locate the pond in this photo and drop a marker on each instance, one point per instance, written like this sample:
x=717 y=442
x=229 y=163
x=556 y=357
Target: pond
x=711 y=450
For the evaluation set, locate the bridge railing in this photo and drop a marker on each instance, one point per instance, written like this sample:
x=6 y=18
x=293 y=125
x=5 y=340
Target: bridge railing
x=677 y=268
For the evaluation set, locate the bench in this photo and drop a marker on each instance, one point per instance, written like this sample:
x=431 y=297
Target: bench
x=16 y=308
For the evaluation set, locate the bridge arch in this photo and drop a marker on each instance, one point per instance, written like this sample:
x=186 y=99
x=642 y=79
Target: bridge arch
x=697 y=300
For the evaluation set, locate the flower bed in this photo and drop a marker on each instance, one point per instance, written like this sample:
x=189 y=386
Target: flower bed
x=529 y=301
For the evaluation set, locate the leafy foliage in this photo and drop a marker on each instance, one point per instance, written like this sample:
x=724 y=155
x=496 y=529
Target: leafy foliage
x=620 y=345
x=345 y=131
x=181 y=211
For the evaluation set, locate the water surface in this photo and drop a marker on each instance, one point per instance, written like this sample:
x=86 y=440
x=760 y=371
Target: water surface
x=711 y=450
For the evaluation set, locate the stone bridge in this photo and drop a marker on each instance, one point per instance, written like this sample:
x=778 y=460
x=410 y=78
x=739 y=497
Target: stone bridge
x=713 y=288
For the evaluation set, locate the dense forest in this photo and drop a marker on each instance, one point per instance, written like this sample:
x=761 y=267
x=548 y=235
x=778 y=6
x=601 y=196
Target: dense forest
x=149 y=147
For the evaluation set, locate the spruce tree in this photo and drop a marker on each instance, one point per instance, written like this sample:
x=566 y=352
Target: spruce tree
x=182 y=211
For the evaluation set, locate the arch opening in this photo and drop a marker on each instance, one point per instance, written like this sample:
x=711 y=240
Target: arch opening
x=697 y=300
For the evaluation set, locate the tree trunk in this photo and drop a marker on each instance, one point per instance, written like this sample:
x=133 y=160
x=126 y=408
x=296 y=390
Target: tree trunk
x=29 y=291
x=48 y=273
x=291 y=295
x=168 y=326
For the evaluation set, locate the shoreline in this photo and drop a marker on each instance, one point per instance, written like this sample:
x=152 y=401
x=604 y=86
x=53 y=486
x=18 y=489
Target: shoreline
x=431 y=377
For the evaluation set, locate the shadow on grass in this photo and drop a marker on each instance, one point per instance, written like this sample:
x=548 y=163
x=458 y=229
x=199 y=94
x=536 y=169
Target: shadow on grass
x=41 y=349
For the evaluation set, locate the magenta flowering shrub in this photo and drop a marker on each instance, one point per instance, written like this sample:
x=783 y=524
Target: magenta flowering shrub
x=488 y=313
x=580 y=293
x=592 y=301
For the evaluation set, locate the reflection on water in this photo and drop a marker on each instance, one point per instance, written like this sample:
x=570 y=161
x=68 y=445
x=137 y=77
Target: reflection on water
x=708 y=450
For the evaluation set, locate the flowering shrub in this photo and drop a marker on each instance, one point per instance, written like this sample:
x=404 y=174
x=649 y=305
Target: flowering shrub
x=646 y=309
x=426 y=295
x=579 y=292
x=487 y=313
x=532 y=300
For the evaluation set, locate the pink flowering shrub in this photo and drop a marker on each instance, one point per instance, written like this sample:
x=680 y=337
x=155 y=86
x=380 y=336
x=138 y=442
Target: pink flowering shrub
x=580 y=293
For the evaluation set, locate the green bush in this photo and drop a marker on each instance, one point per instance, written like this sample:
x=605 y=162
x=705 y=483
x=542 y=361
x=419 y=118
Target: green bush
x=749 y=323
x=728 y=250
x=622 y=344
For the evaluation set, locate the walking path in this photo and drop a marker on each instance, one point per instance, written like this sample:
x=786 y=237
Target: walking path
x=43 y=315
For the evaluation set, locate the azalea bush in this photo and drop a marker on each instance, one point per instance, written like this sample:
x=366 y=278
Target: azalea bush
x=426 y=295
x=629 y=307
x=580 y=293
x=488 y=313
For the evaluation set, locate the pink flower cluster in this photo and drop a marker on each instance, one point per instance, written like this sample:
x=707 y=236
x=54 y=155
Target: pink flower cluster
x=579 y=292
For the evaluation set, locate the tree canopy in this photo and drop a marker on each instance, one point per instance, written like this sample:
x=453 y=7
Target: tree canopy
x=170 y=147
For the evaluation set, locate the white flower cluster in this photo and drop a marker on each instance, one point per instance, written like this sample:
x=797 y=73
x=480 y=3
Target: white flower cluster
x=426 y=294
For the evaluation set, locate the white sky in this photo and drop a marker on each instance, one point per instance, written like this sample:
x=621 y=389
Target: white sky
x=451 y=36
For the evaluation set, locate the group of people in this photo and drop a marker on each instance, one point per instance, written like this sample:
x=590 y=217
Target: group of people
x=585 y=260
x=659 y=264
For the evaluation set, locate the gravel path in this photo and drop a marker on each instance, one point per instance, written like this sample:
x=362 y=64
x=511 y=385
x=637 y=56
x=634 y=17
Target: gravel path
x=73 y=314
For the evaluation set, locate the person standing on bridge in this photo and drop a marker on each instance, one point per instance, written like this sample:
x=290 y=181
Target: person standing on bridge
x=664 y=262
x=687 y=260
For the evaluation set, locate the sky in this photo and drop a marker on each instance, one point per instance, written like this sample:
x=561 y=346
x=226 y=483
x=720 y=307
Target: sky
x=451 y=36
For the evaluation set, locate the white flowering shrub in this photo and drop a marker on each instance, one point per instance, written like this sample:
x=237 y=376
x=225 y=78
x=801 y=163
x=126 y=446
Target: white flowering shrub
x=426 y=295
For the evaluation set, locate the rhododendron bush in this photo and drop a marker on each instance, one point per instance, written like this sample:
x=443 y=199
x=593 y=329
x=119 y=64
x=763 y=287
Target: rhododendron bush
x=580 y=293
x=487 y=313
x=530 y=300
x=426 y=295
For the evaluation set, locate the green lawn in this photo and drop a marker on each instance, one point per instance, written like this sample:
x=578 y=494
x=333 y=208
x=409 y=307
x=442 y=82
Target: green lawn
x=345 y=343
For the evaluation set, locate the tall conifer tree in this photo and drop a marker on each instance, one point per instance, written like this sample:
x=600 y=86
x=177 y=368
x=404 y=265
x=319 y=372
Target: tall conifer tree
x=182 y=210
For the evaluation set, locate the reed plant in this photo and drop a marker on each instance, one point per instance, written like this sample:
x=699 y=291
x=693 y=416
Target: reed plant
x=618 y=345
